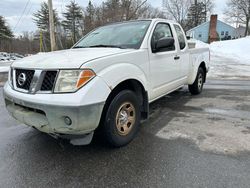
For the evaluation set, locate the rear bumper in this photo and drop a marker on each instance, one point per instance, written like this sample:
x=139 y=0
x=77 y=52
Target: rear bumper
x=50 y=118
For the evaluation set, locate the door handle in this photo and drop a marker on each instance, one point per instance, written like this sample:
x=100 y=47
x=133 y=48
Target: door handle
x=176 y=57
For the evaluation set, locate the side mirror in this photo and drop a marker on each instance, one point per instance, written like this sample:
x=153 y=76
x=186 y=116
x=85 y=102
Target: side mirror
x=164 y=43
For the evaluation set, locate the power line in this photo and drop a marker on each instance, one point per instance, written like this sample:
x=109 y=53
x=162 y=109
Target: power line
x=27 y=13
x=21 y=15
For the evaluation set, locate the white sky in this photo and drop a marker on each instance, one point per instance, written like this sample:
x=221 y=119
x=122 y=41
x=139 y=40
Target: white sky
x=12 y=10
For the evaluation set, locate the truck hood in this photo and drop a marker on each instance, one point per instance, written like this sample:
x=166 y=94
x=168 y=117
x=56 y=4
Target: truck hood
x=66 y=59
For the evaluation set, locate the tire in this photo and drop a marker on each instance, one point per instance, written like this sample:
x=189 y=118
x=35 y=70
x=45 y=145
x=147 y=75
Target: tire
x=197 y=86
x=122 y=119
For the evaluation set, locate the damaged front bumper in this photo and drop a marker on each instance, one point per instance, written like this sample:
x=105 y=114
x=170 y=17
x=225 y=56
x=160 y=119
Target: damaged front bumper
x=54 y=119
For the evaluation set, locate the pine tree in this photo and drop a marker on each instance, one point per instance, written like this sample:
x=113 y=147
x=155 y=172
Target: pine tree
x=41 y=17
x=5 y=31
x=89 y=17
x=196 y=15
x=73 y=18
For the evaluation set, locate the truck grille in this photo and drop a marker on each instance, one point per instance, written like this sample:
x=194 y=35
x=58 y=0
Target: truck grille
x=24 y=78
x=49 y=81
x=32 y=81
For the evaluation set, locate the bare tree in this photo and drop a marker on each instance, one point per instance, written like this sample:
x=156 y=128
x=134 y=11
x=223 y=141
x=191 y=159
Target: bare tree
x=178 y=9
x=238 y=11
x=134 y=8
x=209 y=6
x=113 y=11
x=153 y=12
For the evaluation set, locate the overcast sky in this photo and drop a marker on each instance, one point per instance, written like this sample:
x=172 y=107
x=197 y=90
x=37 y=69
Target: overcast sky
x=12 y=10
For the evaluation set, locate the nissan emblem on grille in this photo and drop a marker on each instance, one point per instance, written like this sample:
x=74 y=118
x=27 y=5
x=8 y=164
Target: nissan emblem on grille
x=21 y=79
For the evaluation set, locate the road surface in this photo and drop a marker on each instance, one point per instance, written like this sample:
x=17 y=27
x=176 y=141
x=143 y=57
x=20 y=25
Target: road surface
x=188 y=141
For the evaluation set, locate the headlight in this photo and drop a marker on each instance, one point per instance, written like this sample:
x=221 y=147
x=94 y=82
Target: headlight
x=72 y=80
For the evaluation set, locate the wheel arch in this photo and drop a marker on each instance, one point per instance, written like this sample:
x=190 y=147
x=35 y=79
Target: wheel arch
x=193 y=73
x=135 y=86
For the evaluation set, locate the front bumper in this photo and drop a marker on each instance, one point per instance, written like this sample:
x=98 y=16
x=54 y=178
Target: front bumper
x=50 y=118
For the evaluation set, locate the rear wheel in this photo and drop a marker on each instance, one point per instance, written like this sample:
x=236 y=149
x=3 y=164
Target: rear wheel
x=122 y=119
x=197 y=86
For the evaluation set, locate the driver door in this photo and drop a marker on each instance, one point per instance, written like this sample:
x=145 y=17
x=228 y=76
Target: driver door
x=164 y=69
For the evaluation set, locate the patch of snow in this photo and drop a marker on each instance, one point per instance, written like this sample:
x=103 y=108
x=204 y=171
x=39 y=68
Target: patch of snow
x=5 y=65
x=4 y=69
x=229 y=59
x=200 y=44
x=238 y=50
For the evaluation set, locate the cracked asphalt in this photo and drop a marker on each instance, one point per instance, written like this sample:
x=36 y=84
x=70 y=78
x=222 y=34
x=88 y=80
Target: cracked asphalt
x=188 y=141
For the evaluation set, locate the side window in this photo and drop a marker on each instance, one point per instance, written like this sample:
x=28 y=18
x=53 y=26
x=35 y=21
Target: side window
x=162 y=30
x=181 y=37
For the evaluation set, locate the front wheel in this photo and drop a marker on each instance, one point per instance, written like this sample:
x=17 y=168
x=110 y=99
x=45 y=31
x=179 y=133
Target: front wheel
x=122 y=119
x=197 y=86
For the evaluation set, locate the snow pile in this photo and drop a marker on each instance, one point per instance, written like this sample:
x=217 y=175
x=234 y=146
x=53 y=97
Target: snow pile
x=230 y=59
x=200 y=44
x=236 y=50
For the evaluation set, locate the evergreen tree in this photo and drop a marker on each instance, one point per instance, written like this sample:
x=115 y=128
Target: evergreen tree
x=41 y=18
x=73 y=18
x=196 y=14
x=89 y=17
x=5 y=31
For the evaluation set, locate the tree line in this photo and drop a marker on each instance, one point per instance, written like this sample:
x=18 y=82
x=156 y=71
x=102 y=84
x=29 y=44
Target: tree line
x=191 y=13
x=76 y=21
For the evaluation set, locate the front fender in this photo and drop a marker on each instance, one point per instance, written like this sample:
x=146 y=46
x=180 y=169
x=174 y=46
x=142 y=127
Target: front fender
x=117 y=73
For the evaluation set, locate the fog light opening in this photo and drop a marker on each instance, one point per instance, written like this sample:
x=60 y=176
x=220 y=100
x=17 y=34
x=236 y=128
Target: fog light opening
x=67 y=121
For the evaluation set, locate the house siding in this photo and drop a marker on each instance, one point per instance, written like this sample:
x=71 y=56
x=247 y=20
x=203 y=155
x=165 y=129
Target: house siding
x=201 y=32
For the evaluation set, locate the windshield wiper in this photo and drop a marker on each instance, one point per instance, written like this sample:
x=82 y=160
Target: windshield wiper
x=105 y=46
x=79 y=47
x=100 y=46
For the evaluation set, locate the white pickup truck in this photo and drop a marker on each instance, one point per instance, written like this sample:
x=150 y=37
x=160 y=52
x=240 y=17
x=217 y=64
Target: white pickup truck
x=105 y=81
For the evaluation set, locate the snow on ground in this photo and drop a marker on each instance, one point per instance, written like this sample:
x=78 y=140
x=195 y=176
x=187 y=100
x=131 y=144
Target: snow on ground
x=229 y=59
x=4 y=66
x=237 y=50
x=4 y=69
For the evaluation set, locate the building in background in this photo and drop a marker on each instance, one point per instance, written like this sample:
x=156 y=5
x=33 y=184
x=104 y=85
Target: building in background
x=213 y=30
x=240 y=31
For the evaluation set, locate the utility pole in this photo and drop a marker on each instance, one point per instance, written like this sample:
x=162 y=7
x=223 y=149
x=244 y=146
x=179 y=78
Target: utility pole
x=41 y=41
x=51 y=26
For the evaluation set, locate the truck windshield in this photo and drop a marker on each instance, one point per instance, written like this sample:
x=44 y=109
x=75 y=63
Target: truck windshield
x=120 y=35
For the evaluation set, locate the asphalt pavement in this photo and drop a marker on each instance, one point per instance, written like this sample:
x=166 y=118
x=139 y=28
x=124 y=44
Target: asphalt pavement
x=188 y=141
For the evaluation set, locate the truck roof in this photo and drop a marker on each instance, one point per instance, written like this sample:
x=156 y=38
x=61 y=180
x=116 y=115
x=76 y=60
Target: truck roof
x=142 y=19
x=157 y=19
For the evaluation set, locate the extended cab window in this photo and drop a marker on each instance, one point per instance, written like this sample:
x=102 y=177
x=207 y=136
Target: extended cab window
x=162 y=30
x=181 y=37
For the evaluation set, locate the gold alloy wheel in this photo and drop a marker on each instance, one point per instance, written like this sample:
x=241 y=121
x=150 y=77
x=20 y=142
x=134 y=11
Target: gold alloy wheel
x=125 y=118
